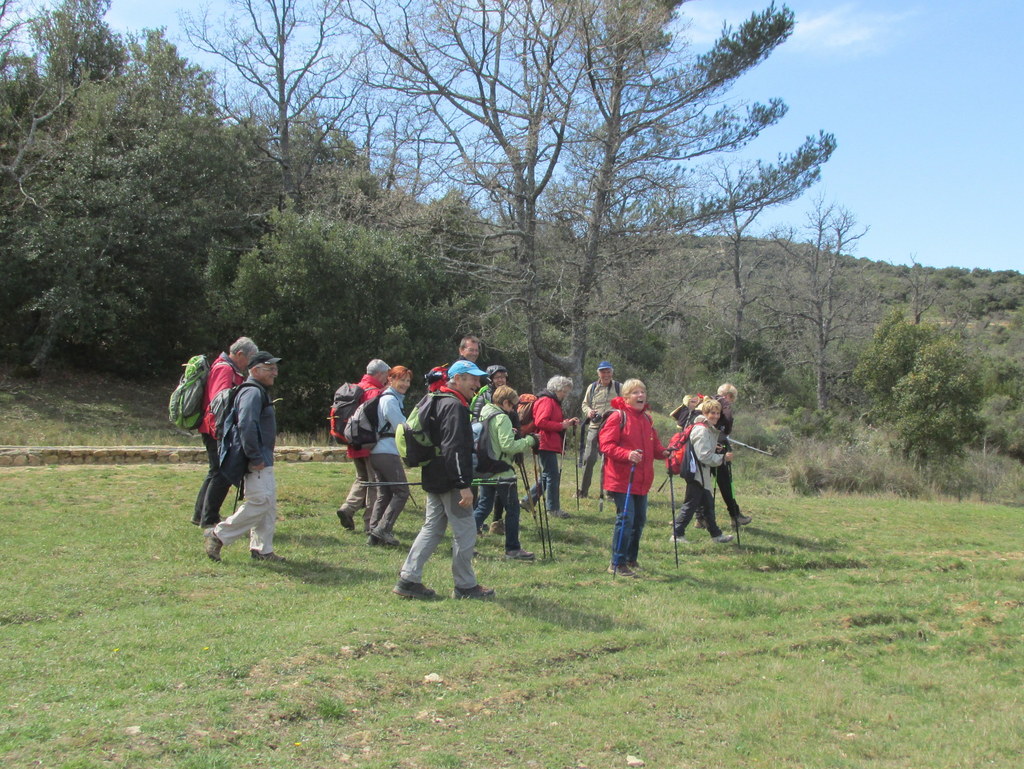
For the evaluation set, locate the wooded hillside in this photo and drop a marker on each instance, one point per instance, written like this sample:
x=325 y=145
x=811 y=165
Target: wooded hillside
x=555 y=177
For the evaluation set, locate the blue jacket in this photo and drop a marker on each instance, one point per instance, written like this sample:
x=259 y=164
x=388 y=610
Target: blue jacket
x=251 y=432
x=389 y=417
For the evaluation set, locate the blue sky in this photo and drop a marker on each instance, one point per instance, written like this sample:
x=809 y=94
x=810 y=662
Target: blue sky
x=924 y=98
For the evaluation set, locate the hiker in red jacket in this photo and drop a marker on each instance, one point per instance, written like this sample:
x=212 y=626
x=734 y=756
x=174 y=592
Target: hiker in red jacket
x=550 y=425
x=227 y=371
x=630 y=445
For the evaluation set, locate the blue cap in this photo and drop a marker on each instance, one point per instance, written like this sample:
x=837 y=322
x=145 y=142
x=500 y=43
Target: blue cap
x=464 y=367
x=604 y=364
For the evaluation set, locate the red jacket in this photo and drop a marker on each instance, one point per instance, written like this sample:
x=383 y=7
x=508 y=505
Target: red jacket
x=223 y=375
x=370 y=388
x=617 y=441
x=548 y=418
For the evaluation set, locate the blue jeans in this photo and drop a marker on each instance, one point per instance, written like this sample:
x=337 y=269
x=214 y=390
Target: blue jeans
x=629 y=526
x=509 y=496
x=550 y=478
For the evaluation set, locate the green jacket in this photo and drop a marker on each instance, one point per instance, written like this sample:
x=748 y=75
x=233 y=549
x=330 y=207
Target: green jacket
x=504 y=444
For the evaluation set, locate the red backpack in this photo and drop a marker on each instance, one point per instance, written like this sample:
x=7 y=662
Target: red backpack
x=677 y=450
x=525 y=410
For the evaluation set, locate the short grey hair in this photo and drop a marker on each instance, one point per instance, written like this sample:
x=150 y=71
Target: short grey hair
x=558 y=383
x=245 y=346
x=377 y=368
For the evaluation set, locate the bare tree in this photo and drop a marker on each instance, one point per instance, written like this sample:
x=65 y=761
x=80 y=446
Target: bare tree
x=498 y=79
x=746 y=191
x=572 y=126
x=816 y=288
x=293 y=73
x=920 y=288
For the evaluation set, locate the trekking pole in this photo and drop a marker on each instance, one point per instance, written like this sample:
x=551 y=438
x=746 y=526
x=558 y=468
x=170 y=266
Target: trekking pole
x=752 y=448
x=732 y=493
x=545 y=520
x=526 y=482
x=664 y=482
x=529 y=490
x=625 y=519
x=576 y=466
x=672 y=497
x=538 y=516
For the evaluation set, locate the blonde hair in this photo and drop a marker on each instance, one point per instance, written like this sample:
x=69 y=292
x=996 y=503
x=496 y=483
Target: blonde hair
x=708 y=405
x=504 y=394
x=629 y=385
x=727 y=389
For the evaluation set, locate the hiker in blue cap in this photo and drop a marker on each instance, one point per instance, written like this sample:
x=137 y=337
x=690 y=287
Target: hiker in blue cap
x=446 y=481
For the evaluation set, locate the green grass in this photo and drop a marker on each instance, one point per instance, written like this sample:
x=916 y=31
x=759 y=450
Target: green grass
x=845 y=632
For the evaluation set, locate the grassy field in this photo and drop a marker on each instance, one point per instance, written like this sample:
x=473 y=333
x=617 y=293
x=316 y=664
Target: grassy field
x=844 y=632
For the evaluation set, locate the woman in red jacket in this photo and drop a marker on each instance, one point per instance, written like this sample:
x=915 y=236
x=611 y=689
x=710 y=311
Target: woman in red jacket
x=630 y=445
x=550 y=425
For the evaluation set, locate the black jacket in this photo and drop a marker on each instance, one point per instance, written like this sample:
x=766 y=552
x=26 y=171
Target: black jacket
x=450 y=431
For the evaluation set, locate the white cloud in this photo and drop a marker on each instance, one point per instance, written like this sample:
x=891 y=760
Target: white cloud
x=847 y=28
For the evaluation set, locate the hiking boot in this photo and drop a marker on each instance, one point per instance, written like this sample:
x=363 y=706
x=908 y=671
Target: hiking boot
x=581 y=495
x=346 y=519
x=271 y=556
x=519 y=555
x=477 y=591
x=384 y=537
x=722 y=538
x=700 y=523
x=621 y=571
x=408 y=589
x=372 y=541
x=212 y=545
x=678 y=538
x=527 y=504
x=559 y=514
x=742 y=520
x=633 y=565
x=498 y=527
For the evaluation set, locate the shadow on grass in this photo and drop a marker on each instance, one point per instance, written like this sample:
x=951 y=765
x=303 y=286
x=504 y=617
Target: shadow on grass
x=786 y=540
x=558 y=613
x=315 y=572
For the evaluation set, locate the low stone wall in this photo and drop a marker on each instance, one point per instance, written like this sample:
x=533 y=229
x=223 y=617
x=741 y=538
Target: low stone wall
x=25 y=456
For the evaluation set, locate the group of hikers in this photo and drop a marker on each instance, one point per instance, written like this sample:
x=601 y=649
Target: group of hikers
x=471 y=433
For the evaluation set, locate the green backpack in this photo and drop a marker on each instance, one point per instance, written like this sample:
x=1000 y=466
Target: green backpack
x=186 y=405
x=412 y=437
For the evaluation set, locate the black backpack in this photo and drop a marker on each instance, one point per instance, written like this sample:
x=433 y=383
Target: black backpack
x=363 y=429
x=346 y=400
x=222 y=404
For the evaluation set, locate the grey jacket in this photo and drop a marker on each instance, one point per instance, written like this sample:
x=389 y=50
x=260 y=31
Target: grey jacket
x=704 y=440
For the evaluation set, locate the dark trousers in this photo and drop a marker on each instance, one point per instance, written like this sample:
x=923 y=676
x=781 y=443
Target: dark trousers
x=723 y=476
x=214 y=490
x=697 y=499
